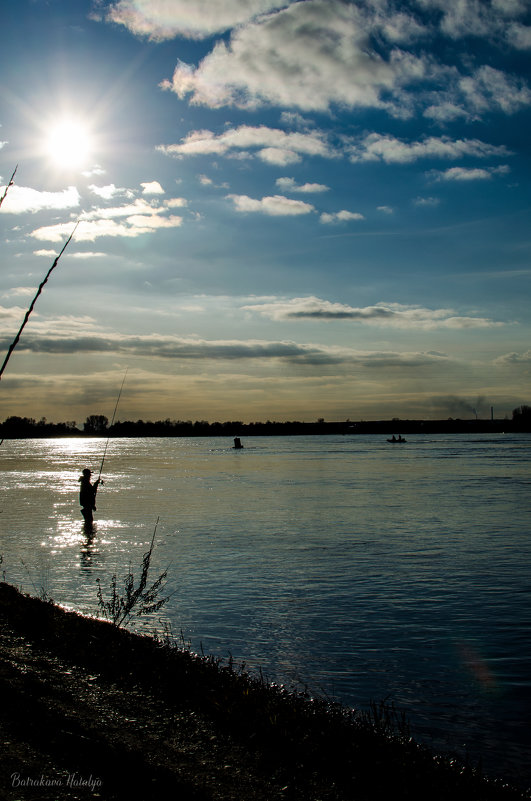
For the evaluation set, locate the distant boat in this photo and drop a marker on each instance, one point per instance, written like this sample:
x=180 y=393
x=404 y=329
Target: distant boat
x=396 y=440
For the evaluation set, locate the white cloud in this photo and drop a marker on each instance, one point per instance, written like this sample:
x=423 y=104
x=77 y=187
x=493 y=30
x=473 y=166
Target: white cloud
x=204 y=180
x=12 y=315
x=463 y=18
x=152 y=188
x=426 y=201
x=292 y=119
x=519 y=36
x=319 y=54
x=446 y=111
x=24 y=199
x=290 y=185
x=95 y=170
x=310 y=55
x=470 y=174
x=514 y=358
x=386 y=209
x=80 y=254
x=396 y=315
x=490 y=89
x=138 y=206
x=387 y=148
x=482 y=18
x=89 y=254
x=109 y=191
x=20 y=290
x=340 y=216
x=275 y=206
x=272 y=144
x=92 y=229
x=278 y=156
x=47 y=253
x=175 y=202
x=166 y=19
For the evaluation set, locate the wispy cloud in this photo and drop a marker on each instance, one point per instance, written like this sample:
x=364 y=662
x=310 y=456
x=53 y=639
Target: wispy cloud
x=488 y=88
x=390 y=149
x=468 y=174
x=290 y=185
x=383 y=314
x=195 y=348
x=90 y=230
x=109 y=191
x=340 y=216
x=426 y=201
x=471 y=18
x=515 y=358
x=137 y=217
x=80 y=254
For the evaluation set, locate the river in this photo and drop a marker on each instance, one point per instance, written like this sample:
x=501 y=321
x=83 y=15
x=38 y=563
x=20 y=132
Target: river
x=356 y=568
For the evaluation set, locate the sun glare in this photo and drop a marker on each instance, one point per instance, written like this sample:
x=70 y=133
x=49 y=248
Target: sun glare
x=68 y=144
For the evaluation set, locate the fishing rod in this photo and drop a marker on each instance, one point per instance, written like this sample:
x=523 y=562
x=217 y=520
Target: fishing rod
x=112 y=421
x=11 y=182
x=29 y=311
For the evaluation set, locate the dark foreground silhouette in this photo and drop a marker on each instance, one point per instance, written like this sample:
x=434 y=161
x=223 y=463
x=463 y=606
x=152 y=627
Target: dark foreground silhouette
x=93 y=708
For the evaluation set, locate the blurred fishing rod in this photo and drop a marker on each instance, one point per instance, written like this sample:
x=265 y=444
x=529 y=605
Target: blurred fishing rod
x=111 y=425
x=28 y=313
x=11 y=182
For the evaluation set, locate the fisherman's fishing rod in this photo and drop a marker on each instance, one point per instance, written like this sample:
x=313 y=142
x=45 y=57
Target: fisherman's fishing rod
x=111 y=425
x=29 y=311
x=11 y=182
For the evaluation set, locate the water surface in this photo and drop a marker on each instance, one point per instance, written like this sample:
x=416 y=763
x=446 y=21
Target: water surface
x=361 y=569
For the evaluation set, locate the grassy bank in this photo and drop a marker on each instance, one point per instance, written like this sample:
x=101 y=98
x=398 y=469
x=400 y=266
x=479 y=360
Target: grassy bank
x=139 y=718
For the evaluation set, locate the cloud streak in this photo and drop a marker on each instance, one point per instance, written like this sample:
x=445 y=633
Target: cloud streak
x=391 y=150
x=395 y=315
x=197 y=349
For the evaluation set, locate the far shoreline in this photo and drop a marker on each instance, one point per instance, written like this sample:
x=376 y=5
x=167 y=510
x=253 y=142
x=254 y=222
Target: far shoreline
x=28 y=428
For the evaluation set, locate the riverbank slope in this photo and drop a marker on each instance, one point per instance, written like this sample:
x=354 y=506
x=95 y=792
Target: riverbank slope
x=93 y=711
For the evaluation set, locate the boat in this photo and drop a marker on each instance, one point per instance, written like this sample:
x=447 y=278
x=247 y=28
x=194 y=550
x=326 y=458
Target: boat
x=397 y=440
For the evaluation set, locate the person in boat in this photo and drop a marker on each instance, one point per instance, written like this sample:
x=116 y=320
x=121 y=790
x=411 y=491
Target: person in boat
x=87 y=496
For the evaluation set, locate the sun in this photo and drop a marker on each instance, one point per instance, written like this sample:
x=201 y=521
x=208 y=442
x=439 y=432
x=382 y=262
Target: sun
x=69 y=143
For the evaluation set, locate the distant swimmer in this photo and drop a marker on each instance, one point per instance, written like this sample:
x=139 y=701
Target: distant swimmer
x=87 y=496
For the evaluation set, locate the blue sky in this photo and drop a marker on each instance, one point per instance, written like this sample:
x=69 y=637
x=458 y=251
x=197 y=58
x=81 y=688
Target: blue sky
x=286 y=210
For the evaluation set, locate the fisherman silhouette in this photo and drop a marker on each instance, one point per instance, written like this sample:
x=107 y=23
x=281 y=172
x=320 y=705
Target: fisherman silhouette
x=87 y=496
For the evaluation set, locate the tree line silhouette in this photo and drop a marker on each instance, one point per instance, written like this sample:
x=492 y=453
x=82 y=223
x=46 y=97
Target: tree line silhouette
x=98 y=425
